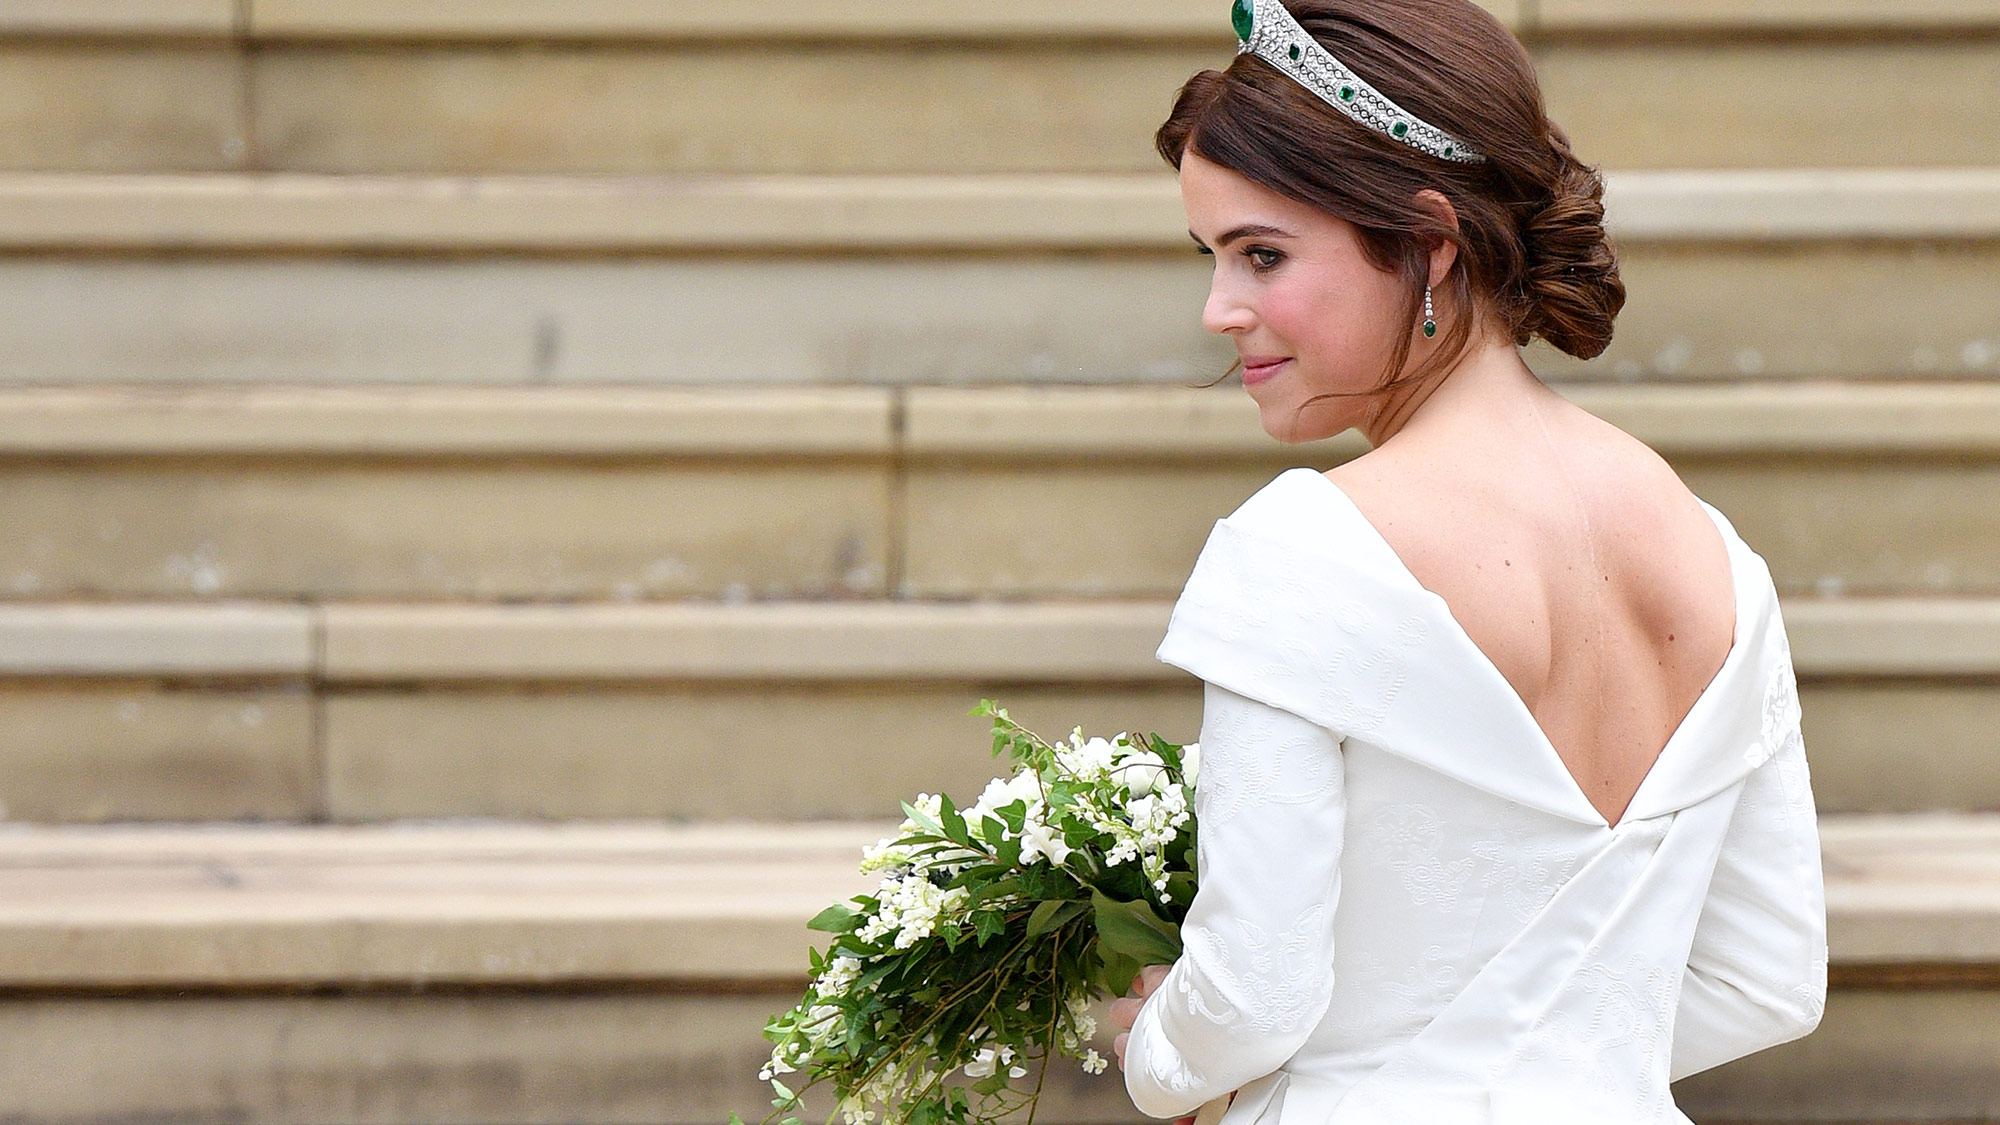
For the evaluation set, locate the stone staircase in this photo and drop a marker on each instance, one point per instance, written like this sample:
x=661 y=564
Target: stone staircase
x=503 y=496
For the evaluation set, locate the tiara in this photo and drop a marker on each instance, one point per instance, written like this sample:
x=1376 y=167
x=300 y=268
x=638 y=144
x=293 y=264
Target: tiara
x=1268 y=30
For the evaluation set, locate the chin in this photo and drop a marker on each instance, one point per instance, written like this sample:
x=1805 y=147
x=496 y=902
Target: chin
x=1284 y=425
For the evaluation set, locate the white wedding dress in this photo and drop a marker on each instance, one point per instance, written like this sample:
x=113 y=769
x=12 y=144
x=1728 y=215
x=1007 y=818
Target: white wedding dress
x=1408 y=910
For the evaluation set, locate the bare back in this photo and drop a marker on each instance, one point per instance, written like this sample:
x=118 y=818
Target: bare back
x=1575 y=558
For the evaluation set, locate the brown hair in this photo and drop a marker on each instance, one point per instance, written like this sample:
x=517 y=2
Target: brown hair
x=1530 y=238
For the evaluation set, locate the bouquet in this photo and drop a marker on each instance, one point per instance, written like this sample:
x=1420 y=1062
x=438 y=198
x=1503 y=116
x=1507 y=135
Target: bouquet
x=992 y=930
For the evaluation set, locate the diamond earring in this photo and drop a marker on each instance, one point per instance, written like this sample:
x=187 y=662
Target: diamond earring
x=1430 y=317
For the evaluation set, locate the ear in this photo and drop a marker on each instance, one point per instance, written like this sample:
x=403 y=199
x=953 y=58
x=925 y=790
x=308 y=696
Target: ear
x=1445 y=253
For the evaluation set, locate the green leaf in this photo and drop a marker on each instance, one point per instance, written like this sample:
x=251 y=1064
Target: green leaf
x=836 y=919
x=992 y=1083
x=1134 y=930
x=987 y=924
x=1054 y=913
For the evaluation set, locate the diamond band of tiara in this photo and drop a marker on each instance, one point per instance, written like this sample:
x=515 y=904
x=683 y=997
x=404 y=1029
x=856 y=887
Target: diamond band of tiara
x=1268 y=31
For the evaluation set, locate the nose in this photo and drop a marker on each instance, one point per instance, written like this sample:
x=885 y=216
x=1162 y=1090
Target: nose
x=1225 y=311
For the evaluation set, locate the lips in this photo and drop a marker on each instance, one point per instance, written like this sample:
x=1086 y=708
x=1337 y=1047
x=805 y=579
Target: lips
x=1258 y=368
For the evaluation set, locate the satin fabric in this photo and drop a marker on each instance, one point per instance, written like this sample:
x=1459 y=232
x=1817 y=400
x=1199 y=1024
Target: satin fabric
x=1409 y=911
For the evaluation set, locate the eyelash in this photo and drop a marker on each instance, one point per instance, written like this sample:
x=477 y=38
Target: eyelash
x=1255 y=254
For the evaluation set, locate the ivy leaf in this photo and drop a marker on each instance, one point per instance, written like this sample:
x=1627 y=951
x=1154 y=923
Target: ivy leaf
x=988 y=924
x=836 y=919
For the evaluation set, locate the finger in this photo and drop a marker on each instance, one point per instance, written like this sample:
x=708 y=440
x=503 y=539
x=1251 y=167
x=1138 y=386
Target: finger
x=1118 y=1047
x=1124 y=1011
x=1151 y=977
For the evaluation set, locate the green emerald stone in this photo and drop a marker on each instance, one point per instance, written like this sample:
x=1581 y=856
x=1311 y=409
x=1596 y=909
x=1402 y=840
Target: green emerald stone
x=1244 y=18
x=1400 y=129
x=1447 y=150
x=1430 y=329
x=1347 y=93
x=1296 y=52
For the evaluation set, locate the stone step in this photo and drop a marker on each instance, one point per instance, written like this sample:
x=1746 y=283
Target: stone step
x=624 y=494
x=366 y=713
x=622 y=972
x=622 y=20
x=897 y=280
x=626 y=86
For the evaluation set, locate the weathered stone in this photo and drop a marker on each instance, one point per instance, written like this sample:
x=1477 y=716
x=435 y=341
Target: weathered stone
x=1772 y=103
x=120 y=107
x=603 y=530
x=74 y=752
x=710 y=752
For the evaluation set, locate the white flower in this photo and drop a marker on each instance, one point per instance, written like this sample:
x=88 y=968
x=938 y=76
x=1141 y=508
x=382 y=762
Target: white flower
x=1093 y=1063
x=1190 y=761
x=1142 y=772
x=1024 y=786
x=838 y=975
x=910 y=908
x=1090 y=761
x=1038 y=840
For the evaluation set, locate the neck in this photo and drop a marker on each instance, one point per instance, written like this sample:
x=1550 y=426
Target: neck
x=1488 y=382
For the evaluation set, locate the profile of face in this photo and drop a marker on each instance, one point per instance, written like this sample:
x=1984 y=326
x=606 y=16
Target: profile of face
x=1293 y=288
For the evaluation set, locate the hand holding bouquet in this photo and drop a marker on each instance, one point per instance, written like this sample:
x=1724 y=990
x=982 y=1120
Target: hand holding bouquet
x=992 y=930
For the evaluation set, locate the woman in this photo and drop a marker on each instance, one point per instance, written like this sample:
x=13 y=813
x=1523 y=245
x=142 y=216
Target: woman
x=1504 y=813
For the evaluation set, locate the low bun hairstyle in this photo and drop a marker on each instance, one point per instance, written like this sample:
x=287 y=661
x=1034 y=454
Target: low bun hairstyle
x=1532 y=251
x=1574 y=292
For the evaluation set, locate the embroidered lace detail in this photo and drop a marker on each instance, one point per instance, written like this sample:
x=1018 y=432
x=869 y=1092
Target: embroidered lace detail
x=1283 y=982
x=1245 y=764
x=1412 y=841
x=1616 y=1041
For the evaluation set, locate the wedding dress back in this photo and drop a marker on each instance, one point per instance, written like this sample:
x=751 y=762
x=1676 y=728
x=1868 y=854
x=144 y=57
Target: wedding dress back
x=1409 y=909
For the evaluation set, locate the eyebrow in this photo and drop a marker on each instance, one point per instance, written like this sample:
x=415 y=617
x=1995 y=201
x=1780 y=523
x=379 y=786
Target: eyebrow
x=1249 y=230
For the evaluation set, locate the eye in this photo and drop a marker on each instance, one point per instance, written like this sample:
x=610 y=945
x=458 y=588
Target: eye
x=1200 y=249
x=1263 y=257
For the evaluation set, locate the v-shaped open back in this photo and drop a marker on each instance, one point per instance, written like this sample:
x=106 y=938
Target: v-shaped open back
x=1505 y=688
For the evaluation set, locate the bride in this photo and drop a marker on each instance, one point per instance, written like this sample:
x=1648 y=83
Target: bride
x=1504 y=814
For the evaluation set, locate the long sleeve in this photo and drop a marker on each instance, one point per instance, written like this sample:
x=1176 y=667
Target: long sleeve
x=1256 y=971
x=1756 y=973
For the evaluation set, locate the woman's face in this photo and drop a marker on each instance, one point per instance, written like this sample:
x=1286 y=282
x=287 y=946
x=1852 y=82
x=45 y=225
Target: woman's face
x=1308 y=313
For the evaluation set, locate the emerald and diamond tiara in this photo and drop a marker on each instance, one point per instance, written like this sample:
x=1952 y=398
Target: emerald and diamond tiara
x=1268 y=31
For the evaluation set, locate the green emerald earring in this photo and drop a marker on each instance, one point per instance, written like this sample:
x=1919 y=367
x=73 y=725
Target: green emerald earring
x=1430 y=317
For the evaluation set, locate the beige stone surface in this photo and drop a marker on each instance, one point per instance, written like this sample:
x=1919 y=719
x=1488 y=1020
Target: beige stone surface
x=1920 y=310
x=84 y=640
x=121 y=107
x=704 y=320
x=599 y=530
x=728 y=107
x=144 y=17
x=702 y=752
x=1774 y=15
x=460 y=19
x=682 y=1060
x=1113 y=529
x=1902 y=747
x=1915 y=636
x=1866 y=311
x=1825 y=525
x=590 y=1058
x=1862 y=525
x=885 y=213
x=860 y=641
x=703 y=907
x=73 y=752
x=444 y=421
x=1051 y=105
x=1764 y=102
x=415 y=906
x=1821 y=417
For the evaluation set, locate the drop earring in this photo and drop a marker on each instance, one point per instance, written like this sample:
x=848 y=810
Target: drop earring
x=1430 y=317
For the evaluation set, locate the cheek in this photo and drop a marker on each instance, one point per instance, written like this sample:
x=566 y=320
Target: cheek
x=1320 y=316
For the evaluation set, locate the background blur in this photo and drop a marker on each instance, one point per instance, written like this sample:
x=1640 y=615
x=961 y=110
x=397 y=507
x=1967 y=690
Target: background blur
x=492 y=490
